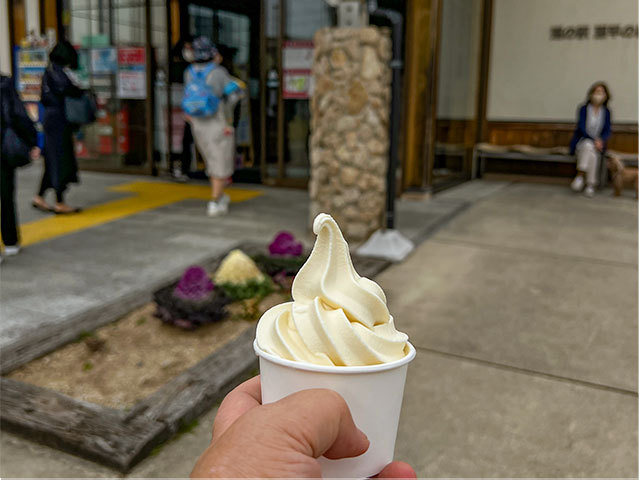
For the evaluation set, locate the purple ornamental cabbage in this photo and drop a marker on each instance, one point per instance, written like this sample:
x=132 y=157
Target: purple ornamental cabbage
x=195 y=285
x=285 y=243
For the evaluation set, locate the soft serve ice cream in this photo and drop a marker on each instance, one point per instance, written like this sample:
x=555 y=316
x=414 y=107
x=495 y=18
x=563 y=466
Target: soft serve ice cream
x=337 y=317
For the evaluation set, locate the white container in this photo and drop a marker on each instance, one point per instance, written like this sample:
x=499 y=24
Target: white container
x=373 y=393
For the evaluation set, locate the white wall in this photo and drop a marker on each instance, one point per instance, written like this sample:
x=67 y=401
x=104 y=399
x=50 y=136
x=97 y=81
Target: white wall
x=534 y=78
x=5 y=43
x=459 y=57
x=32 y=14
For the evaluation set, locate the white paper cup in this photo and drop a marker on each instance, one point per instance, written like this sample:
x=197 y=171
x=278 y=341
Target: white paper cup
x=373 y=393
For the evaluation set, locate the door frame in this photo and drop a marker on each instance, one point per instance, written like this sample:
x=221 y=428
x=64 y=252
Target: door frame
x=421 y=82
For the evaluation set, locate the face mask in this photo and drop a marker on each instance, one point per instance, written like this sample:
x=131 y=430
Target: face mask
x=187 y=54
x=598 y=98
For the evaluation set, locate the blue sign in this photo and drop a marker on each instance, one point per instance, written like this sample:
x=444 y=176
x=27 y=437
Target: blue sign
x=104 y=60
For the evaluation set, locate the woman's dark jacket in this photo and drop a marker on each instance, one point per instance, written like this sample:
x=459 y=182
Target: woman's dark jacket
x=13 y=114
x=59 y=156
x=581 y=128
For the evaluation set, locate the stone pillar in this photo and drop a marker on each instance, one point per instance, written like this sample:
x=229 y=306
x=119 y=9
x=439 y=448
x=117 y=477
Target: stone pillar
x=350 y=127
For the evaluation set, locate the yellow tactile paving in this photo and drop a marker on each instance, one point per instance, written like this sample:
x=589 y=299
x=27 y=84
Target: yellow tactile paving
x=145 y=196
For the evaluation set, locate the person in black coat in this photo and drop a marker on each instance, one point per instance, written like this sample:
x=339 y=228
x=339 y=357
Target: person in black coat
x=13 y=115
x=60 y=167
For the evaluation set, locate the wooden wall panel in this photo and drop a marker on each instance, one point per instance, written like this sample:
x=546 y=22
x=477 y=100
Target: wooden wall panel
x=457 y=136
x=542 y=134
x=175 y=21
x=456 y=132
x=18 y=16
x=419 y=92
x=49 y=15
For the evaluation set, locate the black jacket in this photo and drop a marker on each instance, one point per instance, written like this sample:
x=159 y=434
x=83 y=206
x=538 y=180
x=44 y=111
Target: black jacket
x=13 y=114
x=56 y=86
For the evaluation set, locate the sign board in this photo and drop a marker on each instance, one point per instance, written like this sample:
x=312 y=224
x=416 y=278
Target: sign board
x=296 y=84
x=297 y=55
x=598 y=32
x=104 y=60
x=131 y=56
x=132 y=73
x=297 y=60
x=101 y=40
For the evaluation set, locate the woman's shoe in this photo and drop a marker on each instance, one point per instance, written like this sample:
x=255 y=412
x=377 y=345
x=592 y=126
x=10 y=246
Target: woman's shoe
x=589 y=191
x=43 y=207
x=215 y=209
x=10 y=250
x=578 y=183
x=224 y=202
x=65 y=210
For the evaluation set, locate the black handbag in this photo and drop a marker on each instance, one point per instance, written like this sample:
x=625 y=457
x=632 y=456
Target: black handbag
x=15 y=152
x=80 y=110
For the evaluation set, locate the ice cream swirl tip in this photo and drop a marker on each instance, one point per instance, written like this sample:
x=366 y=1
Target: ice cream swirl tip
x=337 y=317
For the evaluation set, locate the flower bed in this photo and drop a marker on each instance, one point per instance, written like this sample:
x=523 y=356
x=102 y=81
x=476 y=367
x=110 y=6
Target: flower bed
x=130 y=382
x=125 y=361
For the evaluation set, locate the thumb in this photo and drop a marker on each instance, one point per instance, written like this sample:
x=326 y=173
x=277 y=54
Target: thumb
x=319 y=423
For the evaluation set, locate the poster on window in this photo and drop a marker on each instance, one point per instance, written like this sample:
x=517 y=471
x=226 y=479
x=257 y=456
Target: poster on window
x=132 y=73
x=296 y=84
x=132 y=84
x=297 y=60
x=104 y=60
x=297 y=55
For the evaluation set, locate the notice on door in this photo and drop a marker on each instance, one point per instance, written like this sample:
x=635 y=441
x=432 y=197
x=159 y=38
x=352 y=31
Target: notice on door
x=297 y=59
x=132 y=73
x=296 y=84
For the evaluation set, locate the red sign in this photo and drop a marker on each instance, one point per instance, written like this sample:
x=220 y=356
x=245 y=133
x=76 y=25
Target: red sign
x=132 y=74
x=131 y=56
x=297 y=60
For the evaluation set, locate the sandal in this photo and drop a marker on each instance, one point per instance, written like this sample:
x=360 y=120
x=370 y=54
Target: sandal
x=66 y=212
x=43 y=208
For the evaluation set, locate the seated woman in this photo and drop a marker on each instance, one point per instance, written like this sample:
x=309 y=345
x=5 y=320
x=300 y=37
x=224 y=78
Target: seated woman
x=590 y=137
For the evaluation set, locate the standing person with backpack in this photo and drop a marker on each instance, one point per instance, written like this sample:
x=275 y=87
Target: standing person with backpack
x=18 y=138
x=210 y=95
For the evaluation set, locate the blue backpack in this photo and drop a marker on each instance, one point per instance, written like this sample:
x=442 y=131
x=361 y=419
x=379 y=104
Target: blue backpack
x=199 y=99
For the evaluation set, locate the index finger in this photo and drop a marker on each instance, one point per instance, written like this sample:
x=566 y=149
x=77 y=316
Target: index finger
x=240 y=400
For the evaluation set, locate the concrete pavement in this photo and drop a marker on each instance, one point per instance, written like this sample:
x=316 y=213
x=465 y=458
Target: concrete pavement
x=524 y=313
x=53 y=281
x=523 y=309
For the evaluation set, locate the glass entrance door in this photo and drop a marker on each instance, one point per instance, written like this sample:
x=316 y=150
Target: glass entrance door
x=457 y=91
x=231 y=31
x=287 y=53
x=111 y=39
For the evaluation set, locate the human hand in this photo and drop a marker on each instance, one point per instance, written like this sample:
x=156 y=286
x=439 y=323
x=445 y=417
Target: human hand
x=283 y=439
x=35 y=153
x=599 y=144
